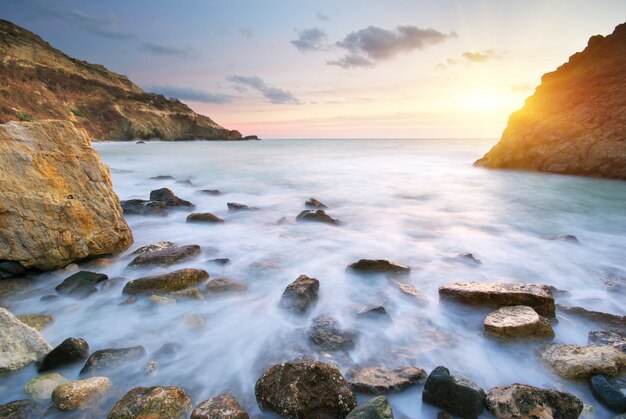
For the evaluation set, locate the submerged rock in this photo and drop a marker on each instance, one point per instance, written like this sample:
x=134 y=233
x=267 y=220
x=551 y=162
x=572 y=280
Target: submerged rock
x=605 y=337
x=41 y=387
x=154 y=247
x=106 y=360
x=204 y=217
x=57 y=200
x=500 y=294
x=469 y=258
x=234 y=206
x=318 y=216
x=166 y=257
x=457 y=395
x=375 y=408
x=378 y=266
x=219 y=261
x=382 y=380
x=305 y=390
x=578 y=362
x=143 y=207
x=565 y=238
x=67 y=352
x=36 y=321
x=514 y=322
x=314 y=203
x=609 y=391
x=172 y=281
x=300 y=294
x=220 y=407
x=411 y=291
x=327 y=334
x=225 y=285
x=20 y=344
x=82 y=394
x=210 y=191
x=152 y=402
x=162 y=177
x=22 y=409
x=524 y=401
x=160 y=300
x=167 y=196
x=80 y=285
x=374 y=313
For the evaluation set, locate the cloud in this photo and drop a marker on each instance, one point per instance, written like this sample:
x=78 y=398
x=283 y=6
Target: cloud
x=371 y=45
x=195 y=95
x=272 y=94
x=469 y=57
x=246 y=33
x=321 y=16
x=162 y=50
x=310 y=40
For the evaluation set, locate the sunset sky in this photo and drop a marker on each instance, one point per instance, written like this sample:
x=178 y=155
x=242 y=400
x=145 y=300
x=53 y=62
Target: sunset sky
x=329 y=68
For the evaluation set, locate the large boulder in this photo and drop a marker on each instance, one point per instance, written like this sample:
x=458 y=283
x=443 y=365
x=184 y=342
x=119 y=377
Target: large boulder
x=67 y=352
x=499 y=294
x=80 y=395
x=58 y=203
x=457 y=395
x=220 y=407
x=306 y=390
x=20 y=344
x=574 y=122
x=524 y=401
x=300 y=294
x=516 y=322
x=152 y=402
x=172 y=281
x=579 y=362
x=375 y=408
x=378 y=380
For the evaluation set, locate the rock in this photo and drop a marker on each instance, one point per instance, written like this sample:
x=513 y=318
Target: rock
x=374 y=313
x=160 y=300
x=327 y=334
x=234 y=206
x=501 y=294
x=219 y=261
x=524 y=401
x=251 y=137
x=210 y=192
x=41 y=387
x=20 y=344
x=222 y=407
x=300 y=294
x=314 y=203
x=610 y=392
x=143 y=207
x=195 y=323
x=154 y=247
x=203 y=217
x=69 y=351
x=377 y=266
x=565 y=238
x=172 y=281
x=167 y=196
x=469 y=258
x=151 y=368
x=375 y=408
x=166 y=257
x=382 y=380
x=224 y=285
x=515 y=322
x=140 y=142
x=22 y=409
x=573 y=123
x=106 y=360
x=411 y=291
x=153 y=403
x=457 y=395
x=162 y=177
x=36 y=321
x=578 y=362
x=611 y=320
x=319 y=216
x=58 y=204
x=80 y=285
x=605 y=337
x=305 y=390
x=82 y=394
x=9 y=269
x=189 y=294
x=168 y=350
x=186 y=182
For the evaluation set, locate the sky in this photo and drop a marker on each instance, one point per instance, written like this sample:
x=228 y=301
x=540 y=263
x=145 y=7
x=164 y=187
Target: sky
x=330 y=68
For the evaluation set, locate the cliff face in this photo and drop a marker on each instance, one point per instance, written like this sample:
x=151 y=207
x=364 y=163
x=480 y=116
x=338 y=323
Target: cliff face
x=575 y=123
x=57 y=203
x=40 y=82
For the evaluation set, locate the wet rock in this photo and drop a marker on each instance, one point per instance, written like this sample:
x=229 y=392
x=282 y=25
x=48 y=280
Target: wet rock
x=167 y=196
x=411 y=291
x=327 y=334
x=300 y=294
x=319 y=216
x=80 y=285
x=305 y=390
x=163 y=301
x=188 y=294
x=524 y=401
x=565 y=238
x=377 y=266
x=234 y=206
x=457 y=395
x=20 y=344
x=222 y=407
x=154 y=247
x=140 y=142
x=151 y=368
x=166 y=257
x=225 y=285
x=143 y=207
x=469 y=258
x=374 y=313
x=611 y=320
x=36 y=321
x=210 y=192
x=186 y=182
x=219 y=261
x=22 y=409
x=82 y=394
x=67 y=352
x=162 y=177
x=578 y=362
x=606 y=337
x=10 y=269
x=204 y=217
x=314 y=203
x=609 y=391
x=498 y=294
x=382 y=380
x=172 y=281
x=168 y=350
x=106 y=360
x=41 y=387
x=515 y=322
x=152 y=402
x=375 y=408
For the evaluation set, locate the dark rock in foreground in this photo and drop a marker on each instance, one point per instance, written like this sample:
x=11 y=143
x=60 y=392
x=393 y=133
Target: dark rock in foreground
x=305 y=390
x=81 y=284
x=375 y=408
x=318 y=216
x=22 y=409
x=204 y=217
x=106 y=360
x=378 y=266
x=167 y=256
x=152 y=402
x=524 y=401
x=382 y=381
x=221 y=407
x=609 y=391
x=300 y=294
x=172 y=281
x=327 y=334
x=167 y=196
x=457 y=395
x=314 y=203
x=67 y=352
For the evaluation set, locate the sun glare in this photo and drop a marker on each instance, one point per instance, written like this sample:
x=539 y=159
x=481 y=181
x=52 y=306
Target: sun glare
x=480 y=101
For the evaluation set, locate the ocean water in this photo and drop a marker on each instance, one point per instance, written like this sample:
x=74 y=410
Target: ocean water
x=415 y=202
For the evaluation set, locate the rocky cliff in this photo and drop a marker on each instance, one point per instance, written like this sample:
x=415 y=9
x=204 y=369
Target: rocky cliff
x=41 y=82
x=575 y=122
x=57 y=204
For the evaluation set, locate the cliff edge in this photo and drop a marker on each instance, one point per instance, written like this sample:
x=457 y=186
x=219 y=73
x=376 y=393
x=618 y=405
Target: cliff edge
x=575 y=122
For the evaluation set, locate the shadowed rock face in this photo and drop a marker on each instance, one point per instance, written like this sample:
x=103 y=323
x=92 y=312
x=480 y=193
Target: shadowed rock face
x=575 y=122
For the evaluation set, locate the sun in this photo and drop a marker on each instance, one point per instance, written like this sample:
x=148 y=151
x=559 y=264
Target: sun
x=483 y=100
